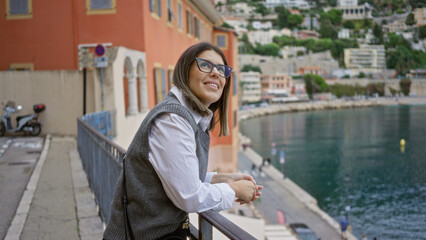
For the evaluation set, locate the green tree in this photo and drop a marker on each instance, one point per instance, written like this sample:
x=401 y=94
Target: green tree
x=395 y=40
x=270 y=49
x=405 y=85
x=282 y=15
x=378 y=33
x=335 y=16
x=422 y=32
x=260 y=8
x=327 y=30
x=410 y=19
x=251 y=68
x=349 y=24
x=226 y=25
x=294 y=20
x=314 y=84
x=246 y=47
x=401 y=59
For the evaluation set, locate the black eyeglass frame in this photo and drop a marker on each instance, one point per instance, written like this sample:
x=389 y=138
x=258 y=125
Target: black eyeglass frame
x=213 y=66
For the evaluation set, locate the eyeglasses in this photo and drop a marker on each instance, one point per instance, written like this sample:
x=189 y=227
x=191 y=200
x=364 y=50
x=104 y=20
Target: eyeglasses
x=207 y=67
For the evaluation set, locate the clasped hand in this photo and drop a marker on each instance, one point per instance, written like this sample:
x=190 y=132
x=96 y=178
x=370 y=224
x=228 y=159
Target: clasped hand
x=244 y=186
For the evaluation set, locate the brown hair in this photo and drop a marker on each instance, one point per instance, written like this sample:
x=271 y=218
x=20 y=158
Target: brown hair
x=181 y=81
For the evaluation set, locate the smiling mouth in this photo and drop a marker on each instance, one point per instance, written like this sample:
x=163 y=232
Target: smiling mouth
x=213 y=85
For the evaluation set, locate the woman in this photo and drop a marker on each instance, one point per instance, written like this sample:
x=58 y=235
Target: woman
x=166 y=163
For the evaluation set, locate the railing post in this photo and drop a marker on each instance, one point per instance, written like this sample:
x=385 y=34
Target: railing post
x=205 y=229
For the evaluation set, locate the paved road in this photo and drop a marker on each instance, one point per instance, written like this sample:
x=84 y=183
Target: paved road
x=18 y=156
x=274 y=197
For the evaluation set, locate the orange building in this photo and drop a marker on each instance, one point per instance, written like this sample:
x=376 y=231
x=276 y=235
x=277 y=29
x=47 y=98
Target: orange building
x=143 y=40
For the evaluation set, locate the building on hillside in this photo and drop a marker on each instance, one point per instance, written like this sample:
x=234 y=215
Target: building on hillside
x=396 y=26
x=344 y=33
x=317 y=70
x=250 y=87
x=301 y=4
x=291 y=51
x=294 y=11
x=262 y=25
x=275 y=87
x=417 y=73
x=265 y=37
x=354 y=12
x=239 y=24
x=272 y=65
x=347 y=3
x=367 y=58
x=310 y=23
x=142 y=42
x=420 y=16
x=305 y=34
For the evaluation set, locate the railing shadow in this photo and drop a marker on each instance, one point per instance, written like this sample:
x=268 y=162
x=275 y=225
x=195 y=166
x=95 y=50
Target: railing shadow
x=102 y=162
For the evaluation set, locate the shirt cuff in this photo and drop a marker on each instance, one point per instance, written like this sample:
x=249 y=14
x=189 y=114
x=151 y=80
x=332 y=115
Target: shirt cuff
x=209 y=176
x=228 y=195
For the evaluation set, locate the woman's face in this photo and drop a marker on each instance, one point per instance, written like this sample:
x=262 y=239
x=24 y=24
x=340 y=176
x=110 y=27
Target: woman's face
x=207 y=87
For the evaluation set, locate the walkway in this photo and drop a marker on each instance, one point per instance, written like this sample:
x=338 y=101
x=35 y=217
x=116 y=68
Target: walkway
x=57 y=203
x=279 y=193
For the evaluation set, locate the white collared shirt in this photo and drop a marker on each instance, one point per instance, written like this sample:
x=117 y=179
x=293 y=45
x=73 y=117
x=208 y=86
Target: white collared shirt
x=173 y=156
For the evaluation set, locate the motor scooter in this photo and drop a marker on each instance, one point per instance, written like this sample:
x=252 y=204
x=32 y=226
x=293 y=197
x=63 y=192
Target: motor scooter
x=28 y=123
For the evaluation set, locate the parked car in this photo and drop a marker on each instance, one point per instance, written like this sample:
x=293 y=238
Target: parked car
x=303 y=231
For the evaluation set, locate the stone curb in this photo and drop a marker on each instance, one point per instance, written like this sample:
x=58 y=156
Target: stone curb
x=18 y=222
x=89 y=221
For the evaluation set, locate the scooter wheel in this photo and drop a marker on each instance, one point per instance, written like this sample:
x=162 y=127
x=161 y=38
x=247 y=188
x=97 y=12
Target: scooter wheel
x=2 y=129
x=36 y=129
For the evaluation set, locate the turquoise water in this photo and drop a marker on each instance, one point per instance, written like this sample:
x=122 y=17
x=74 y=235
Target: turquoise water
x=386 y=187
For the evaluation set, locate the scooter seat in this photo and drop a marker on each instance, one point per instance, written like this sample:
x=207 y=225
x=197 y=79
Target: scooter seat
x=20 y=117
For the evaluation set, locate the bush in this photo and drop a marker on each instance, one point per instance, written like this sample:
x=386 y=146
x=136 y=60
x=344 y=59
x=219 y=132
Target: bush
x=405 y=85
x=340 y=90
x=249 y=67
x=314 y=84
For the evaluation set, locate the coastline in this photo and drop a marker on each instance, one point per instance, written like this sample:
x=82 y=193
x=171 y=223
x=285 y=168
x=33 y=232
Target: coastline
x=326 y=105
x=300 y=194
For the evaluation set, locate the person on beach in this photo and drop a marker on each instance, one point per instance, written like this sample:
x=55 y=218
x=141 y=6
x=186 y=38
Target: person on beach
x=165 y=167
x=343 y=227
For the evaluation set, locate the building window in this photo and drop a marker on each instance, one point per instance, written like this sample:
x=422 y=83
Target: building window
x=234 y=84
x=163 y=83
x=155 y=7
x=100 y=7
x=170 y=15
x=180 y=15
x=100 y=4
x=189 y=23
x=201 y=31
x=157 y=79
x=126 y=90
x=221 y=40
x=197 y=27
x=21 y=67
x=19 y=9
x=235 y=118
x=170 y=75
x=160 y=83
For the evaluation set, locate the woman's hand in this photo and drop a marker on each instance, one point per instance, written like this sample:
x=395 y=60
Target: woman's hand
x=237 y=177
x=258 y=193
x=231 y=177
x=245 y=190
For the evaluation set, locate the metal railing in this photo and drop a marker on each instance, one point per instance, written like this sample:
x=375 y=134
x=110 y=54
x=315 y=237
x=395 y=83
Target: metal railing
x=102 y=162
x=100 y=121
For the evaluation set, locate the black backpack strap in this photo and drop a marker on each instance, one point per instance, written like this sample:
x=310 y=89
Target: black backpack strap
x=128 y=228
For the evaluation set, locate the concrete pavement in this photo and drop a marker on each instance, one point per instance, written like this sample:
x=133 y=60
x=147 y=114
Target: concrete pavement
x=57 y=203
